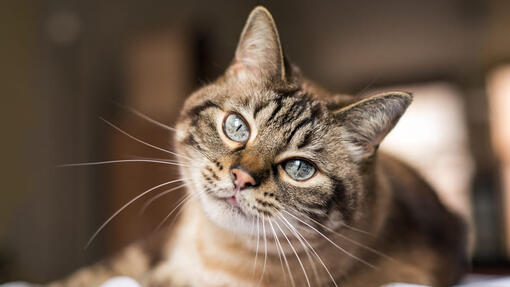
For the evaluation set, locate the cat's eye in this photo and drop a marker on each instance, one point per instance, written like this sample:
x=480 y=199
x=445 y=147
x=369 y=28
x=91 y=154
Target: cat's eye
x=235 y=128
x=299 y=169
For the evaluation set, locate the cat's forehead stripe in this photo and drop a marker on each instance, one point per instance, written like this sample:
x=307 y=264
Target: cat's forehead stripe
x=293 y=113
x=303 y=123
x=195 y=112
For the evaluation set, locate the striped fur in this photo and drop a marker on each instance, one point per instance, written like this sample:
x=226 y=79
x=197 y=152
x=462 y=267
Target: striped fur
x=363 y=219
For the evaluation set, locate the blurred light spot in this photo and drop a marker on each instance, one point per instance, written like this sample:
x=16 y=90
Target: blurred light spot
x=498 y=85
x=432 y=138
x=63 y=27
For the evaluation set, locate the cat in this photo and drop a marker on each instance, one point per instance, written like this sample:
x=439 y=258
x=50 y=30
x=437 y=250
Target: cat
x=286 y=188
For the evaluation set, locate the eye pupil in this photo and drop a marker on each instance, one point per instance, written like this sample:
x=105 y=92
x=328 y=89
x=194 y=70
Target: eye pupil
x=299 y=169
x=235 y=128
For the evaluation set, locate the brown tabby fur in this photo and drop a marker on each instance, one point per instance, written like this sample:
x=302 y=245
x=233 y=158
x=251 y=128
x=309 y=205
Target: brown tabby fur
x=382 y=222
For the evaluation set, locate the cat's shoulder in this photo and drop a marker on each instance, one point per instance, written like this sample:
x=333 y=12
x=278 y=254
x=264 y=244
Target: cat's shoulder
x=418 y=217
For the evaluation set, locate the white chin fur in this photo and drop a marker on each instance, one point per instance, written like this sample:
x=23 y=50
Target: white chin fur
x=227 y=216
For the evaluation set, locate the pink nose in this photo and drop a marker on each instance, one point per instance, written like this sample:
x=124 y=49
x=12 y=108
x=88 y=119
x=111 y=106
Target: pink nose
x=242 y=179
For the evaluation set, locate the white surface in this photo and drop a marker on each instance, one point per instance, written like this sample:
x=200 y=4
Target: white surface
x=402 y=285
x=129 y=282
x=18 y=284
x=121 y=282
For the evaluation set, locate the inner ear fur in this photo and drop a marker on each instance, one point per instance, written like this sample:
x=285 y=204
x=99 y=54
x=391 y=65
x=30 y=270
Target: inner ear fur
x=368 y=121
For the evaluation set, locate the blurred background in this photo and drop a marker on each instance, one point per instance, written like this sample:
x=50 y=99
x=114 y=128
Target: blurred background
x=64 y=64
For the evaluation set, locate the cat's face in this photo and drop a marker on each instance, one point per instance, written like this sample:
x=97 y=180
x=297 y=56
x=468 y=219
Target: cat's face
x=282 y=147
x=261 y=143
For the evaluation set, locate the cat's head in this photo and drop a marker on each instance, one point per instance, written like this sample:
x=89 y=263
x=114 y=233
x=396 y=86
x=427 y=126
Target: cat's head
x=262 y=143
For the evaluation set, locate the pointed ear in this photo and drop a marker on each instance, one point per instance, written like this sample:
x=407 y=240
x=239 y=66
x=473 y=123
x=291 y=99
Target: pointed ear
x=259 y=54
x=368 y=121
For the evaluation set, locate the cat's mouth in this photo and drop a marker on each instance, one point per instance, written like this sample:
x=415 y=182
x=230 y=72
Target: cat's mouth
x=232 y=200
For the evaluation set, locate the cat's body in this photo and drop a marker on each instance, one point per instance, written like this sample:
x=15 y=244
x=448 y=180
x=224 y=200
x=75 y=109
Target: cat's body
x=280 y=166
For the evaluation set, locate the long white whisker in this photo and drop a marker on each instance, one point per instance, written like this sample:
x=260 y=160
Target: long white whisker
x=157 y=123
x=312 y=249
x=279 y=254
x=156 y=197
x=124 y=207
x=283 y=253
x=146 y=117
x=305 y=248
x=265 y=249
x=330 y=241
x=295 y=253
x=141 y=141
x=195 y=149
x=181 y=210
x=184 y=200
x=120 y=161
x=166 y=160
x=187 y=198
x=258 y=239
x=357 y=229
x=353 y=241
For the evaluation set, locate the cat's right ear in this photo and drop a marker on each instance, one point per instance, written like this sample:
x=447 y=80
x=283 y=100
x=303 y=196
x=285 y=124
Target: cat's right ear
x=259 y=56
x=368 y=121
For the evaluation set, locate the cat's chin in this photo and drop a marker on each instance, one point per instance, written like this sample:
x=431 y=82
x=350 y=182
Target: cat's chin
x=227 y=214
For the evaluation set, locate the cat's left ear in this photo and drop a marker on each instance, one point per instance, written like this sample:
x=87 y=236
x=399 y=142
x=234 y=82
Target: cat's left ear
x=259 y=54
x=368 y=121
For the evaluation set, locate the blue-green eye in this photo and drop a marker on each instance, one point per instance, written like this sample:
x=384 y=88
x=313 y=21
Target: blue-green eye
x=299 y=169
x=235 y=128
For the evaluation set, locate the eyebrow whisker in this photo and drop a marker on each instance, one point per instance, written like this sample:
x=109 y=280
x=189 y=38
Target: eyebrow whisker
x=141 y=141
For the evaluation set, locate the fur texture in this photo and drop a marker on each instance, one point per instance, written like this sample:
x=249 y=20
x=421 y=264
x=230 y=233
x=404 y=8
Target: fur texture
x=362 y=219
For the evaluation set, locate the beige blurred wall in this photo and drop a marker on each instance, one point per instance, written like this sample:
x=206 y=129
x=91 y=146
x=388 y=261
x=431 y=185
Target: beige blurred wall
x=18 y=101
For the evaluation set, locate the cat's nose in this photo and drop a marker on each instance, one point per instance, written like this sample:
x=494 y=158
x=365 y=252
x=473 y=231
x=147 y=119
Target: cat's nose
x=242 y=179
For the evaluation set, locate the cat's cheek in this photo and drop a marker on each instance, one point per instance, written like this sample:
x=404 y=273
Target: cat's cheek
x=180 y=135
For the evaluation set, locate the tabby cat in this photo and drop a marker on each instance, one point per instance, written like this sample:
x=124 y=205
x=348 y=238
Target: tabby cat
x=286 y=189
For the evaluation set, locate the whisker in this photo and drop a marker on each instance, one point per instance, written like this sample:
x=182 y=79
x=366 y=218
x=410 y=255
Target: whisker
x=187 y=198
x=265 y=249
x=305 y=248
x=156 y=197
x=120 y=161
x=252 y=228
x=283 y=253
x=184 y=200
x=178 y=213
x=202 y=153
x=146 y=117
x=166 y=160
x=357 y=229
x=295 y=253
x=353 y=241
x=124 y=207
x=157 y=123
x=258 y=239
x=312 y=249
x=330 y=241
x=279 y=254
x=141 y=141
